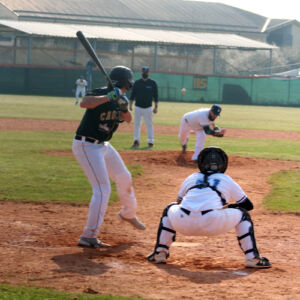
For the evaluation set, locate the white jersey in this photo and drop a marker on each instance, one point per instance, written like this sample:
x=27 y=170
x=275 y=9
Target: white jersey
x=81 y=83
x=198 y=118
x=199 y=199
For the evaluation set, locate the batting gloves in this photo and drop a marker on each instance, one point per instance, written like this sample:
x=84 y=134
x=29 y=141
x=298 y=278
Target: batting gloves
x=114 y=95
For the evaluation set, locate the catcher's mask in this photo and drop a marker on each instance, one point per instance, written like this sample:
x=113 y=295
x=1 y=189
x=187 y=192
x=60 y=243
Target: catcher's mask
x=212 y=160
x=121 y=77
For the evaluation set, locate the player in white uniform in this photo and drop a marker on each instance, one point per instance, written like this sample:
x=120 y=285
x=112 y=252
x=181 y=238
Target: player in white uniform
x=201 y=121
x=81 y=85
x=105 y=109
x=202 y=209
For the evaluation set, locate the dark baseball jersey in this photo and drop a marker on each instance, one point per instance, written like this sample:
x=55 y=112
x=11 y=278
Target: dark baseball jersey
x=144 y=92
x=102 y=121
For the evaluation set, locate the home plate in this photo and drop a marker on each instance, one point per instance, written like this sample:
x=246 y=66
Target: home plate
x=240 y=273
x=186 y=244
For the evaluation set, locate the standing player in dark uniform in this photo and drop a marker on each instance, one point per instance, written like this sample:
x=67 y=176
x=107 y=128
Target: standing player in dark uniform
x=144 y=91
x=105 y=109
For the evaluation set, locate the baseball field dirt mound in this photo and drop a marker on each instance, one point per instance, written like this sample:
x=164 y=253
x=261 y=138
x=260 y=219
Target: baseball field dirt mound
x=38 y=241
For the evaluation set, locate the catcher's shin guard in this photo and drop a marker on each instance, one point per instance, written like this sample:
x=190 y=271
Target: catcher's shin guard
x=165 y=234
x=246 y=237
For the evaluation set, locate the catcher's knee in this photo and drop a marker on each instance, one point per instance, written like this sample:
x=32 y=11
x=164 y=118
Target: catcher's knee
x=164 y=232
x=245 y=215
x=165 y=211
x=161 y=225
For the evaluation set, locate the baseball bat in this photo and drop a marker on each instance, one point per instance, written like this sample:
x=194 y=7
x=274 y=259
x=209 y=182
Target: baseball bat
x=90 y=50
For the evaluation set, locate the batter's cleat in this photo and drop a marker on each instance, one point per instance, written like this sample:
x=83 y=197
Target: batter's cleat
x=135 y=222
x=183 y=148
x=150 y=145
x=157 y=257
x=135 y=144
x=258 y=263
x=91 y=242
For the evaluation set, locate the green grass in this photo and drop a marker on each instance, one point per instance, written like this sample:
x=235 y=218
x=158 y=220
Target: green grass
x=285 y=193
x=31 y=293
x=27 y=174
x=169 y=113
x=272 y=149
x=39 y=107
x=30 y=175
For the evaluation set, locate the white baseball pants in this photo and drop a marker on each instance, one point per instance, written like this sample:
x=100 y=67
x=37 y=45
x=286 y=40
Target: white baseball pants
x=184 y=132
x=79 y=91
x=213 y=223
x=99 y=163
x=147 y=114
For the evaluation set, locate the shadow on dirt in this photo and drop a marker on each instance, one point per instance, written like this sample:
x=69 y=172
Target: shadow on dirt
x=82 y=262
x=215 y=275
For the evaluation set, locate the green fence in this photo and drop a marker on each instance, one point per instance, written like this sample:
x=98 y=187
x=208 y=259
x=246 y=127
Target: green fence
x=201 y=89
x=231 y=90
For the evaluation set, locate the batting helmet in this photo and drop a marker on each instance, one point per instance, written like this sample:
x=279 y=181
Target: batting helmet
x=122 y=77
x=212 y=160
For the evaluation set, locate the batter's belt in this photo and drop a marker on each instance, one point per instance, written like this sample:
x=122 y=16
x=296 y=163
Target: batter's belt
x=87 y=139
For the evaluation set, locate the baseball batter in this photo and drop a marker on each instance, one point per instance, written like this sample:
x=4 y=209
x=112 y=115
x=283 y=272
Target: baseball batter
x=202 y=122
x=80 y=89
x=105 y=109
x=201 y=209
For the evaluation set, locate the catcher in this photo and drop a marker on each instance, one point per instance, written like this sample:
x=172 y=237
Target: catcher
x=201 y=121
x=201 y=209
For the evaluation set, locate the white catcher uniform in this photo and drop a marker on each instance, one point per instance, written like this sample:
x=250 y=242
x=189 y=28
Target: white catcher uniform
x=201 y=211
x=81 y=85
x=195 y=120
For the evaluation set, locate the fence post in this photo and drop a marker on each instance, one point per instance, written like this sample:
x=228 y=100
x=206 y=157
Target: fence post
x=29 y=45
x=214 y=62
x=270 y=63
x=155 y=57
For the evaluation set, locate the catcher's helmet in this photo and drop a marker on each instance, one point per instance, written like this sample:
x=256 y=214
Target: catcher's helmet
x=212 y=160
x=122 y=77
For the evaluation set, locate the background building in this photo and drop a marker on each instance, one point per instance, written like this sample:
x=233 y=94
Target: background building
x=38 y=42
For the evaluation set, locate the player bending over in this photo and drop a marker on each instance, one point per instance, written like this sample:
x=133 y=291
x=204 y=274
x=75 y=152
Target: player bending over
x=199 y=210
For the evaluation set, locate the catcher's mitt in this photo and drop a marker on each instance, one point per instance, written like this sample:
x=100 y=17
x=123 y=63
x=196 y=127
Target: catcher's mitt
x=219 y=132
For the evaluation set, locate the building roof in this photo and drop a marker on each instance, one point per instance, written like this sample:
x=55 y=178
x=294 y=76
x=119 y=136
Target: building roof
x=279 y=23
x=129 y=34
x=173 y=14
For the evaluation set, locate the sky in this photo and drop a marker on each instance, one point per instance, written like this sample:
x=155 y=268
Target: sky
x=287 y=9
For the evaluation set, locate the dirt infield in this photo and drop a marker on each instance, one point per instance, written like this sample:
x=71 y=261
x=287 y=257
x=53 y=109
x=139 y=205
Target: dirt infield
x=38 y=241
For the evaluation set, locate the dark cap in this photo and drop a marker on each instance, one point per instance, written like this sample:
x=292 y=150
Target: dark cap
x=145 y=69
x=216 y=109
